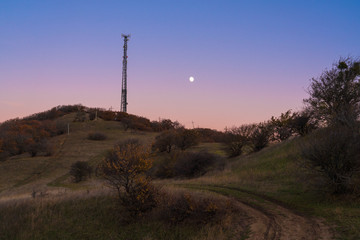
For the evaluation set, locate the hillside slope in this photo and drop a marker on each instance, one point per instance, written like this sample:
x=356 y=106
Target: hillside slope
x=281 y=198
x=21 y=175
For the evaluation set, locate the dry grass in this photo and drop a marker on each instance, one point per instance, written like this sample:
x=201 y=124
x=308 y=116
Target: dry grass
x=22 y=174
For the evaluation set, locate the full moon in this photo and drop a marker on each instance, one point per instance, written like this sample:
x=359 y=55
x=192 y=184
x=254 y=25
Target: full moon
x=191 y=79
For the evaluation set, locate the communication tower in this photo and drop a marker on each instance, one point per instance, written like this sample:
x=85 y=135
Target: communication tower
x=124 y=76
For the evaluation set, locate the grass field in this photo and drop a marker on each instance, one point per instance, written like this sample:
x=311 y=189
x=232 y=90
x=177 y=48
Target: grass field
x=86 y=210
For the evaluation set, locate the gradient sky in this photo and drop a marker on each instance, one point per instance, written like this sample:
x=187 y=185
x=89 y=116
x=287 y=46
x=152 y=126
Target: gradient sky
x=251 y=59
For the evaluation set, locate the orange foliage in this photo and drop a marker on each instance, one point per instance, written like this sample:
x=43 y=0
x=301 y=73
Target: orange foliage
x=21 y=136
x=124 y=168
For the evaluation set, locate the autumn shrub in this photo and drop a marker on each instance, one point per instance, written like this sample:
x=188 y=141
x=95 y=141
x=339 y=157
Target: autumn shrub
x=124 y=169
x=20 y=136
x=80 y=170
x=96 y=136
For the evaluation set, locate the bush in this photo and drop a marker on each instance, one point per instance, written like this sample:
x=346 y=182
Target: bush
x=335 y=154
x=233 y=144
x=165 y=141
x=186 y=138
x=124 y=169
x=180 y=207
x=43 y=146
x=80 y=171
x=96 y=136
x=80 y=117
x=194 y=164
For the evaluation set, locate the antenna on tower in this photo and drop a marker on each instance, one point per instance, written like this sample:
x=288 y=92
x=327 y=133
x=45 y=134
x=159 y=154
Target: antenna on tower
x=124 y=103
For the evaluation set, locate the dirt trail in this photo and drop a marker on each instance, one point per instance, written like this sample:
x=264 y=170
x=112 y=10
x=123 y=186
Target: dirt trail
x=271 y=220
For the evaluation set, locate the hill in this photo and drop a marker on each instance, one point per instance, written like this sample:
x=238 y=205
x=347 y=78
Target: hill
x=275 y=196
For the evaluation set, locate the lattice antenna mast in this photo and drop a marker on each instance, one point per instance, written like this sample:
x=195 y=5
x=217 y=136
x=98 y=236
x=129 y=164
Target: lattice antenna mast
x=124 y=103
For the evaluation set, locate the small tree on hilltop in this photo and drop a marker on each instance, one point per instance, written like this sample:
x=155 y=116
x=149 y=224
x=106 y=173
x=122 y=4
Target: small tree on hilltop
x=282 y=126
x=260 y=137
x=335 y=95
x=124 y=169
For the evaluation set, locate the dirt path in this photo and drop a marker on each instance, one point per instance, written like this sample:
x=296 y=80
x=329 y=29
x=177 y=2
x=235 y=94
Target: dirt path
x=271 y=220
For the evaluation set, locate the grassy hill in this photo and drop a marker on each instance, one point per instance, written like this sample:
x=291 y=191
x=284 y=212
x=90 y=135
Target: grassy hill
x=272 y=182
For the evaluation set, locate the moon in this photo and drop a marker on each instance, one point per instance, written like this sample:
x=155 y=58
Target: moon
x=191 y=79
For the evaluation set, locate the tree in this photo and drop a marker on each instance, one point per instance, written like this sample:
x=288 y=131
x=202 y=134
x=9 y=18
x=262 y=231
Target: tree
x=282 y=126
x=124 y=169
x=303 y=123
x=260 y=137
x=335 y=95
x=236 y=138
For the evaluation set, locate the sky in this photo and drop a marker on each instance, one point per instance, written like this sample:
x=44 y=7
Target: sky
x=250 y=59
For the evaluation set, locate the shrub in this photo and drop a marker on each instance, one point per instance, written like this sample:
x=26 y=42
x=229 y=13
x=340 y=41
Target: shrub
x=165 y=141
x=165 y=167
x=80 y=170
x=124 y=169
x=335 y=154
x=191 y=208
x=233 y=144
x=43 y=146
x=107 y=115
x=194 y=164
x=96 y=136
x=80 y=117
x=186 y=138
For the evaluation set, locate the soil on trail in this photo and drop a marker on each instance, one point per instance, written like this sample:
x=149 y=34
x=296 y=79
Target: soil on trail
x=271 y=220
